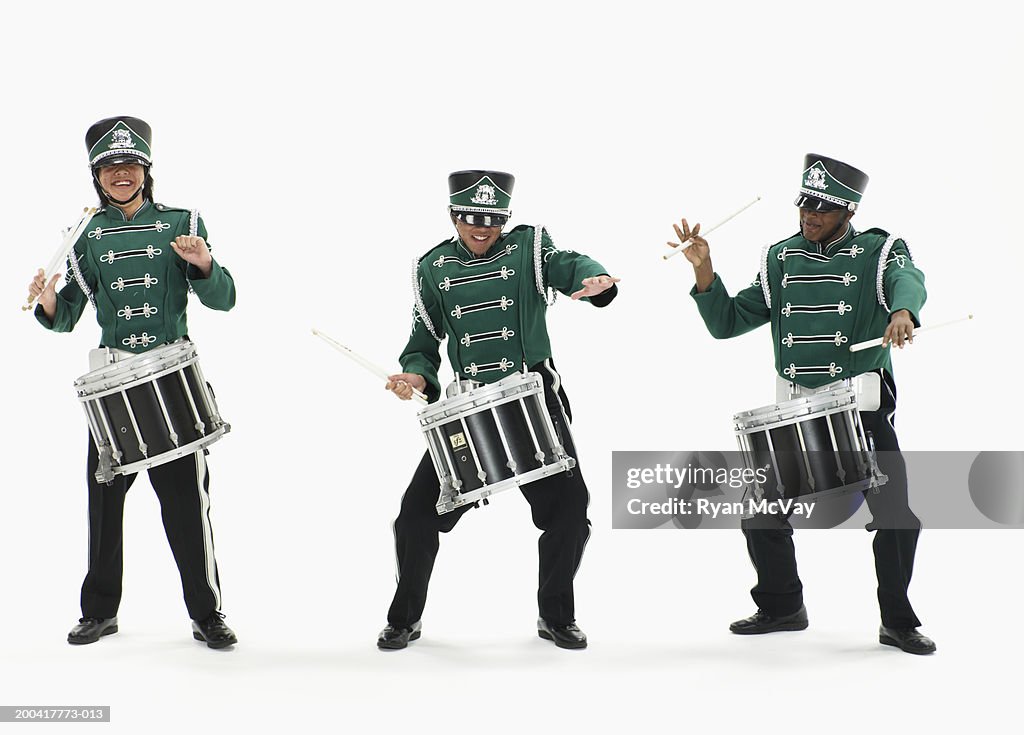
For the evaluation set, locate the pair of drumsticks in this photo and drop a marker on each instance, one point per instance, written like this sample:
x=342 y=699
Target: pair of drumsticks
x=68 y=242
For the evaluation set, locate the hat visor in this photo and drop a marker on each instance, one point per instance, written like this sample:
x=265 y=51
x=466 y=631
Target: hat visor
x=818 y=205
x=124 y=158
x=481 y=219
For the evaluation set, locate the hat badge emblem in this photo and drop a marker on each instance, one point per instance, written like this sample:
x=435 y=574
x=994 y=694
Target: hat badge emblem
x=816 y=179
x=121 y=139
x=484 y=195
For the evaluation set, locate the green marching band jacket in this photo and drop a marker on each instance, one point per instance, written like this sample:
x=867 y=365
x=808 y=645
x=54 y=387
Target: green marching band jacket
x=133 y=278
x=491 y=308
x=820 y=300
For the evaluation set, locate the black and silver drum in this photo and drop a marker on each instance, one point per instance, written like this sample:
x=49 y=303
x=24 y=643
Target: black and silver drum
x=149 y=409
x=813 y=446
x=489 y=438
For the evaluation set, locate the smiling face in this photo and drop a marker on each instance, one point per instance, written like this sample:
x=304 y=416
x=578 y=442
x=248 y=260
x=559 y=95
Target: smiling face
x=823 y=226
x=121 y=180
x=478 y=239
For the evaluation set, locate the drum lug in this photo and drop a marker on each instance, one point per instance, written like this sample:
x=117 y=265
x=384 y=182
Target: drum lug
x=444 y=506
x=105 y=470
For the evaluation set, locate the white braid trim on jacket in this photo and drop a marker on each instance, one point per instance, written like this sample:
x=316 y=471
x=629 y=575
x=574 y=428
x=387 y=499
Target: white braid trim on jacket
x=764 y=276
x=549 y=295
x=417 y=296
x=882 y=265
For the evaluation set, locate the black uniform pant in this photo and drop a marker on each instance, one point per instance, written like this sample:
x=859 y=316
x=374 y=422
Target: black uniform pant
x=770 y=539
x=559 y=507
x=182 y=487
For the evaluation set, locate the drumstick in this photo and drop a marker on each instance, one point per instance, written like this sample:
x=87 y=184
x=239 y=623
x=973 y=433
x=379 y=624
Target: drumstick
x=359 y=360
x=679 y=249
x=62 y=252
x=878 y=342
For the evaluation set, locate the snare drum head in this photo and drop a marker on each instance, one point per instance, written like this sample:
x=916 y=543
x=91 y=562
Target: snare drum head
x=520 y=384
x=818 y=404
x=125 y=372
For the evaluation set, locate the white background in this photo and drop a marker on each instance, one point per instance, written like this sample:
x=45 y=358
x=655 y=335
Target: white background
x=316 y=141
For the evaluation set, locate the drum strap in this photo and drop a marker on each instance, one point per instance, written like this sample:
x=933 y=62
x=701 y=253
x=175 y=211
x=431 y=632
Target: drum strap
x=103 y=356
x=867 y=386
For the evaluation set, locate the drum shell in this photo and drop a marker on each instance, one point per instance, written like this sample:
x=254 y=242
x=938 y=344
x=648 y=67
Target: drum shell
x=148 y=409
x=823 y=463
x=491 y=438
x=144 y=399
x=812 y=446
x=487 y=441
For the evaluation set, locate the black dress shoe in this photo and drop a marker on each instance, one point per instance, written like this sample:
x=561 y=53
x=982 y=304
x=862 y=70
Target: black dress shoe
x=908 y=640
x=213 y=630
x=762 y=622
x=564 y=636
x=89 y=630
x=393 y=639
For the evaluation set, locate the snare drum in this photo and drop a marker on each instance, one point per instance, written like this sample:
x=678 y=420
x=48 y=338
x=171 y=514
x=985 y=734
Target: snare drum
x=813 y=446
x=490 y=438
x=149 y=409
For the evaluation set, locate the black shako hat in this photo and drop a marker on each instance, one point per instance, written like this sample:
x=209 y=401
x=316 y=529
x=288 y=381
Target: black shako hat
x=481 y=197
x=119 y=140
x=830 y=184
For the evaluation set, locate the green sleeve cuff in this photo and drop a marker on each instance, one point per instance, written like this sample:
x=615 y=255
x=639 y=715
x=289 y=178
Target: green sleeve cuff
x=217 y=290
x=421 y=366
x=41 y=316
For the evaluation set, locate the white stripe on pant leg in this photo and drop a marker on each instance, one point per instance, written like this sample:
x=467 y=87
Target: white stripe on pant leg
x=890 y=416
x=556 y=383
x=555 y=377
x=204 y=514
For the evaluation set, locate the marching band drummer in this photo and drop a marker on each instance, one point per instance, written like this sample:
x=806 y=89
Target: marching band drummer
x=487 y=291
x=822 y=290
x=136 y=265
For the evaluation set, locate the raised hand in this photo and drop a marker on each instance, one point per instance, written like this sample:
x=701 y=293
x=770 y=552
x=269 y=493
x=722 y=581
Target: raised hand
x=192 y=249
x=47 y=292
x=594 y=286
x=698 y=252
